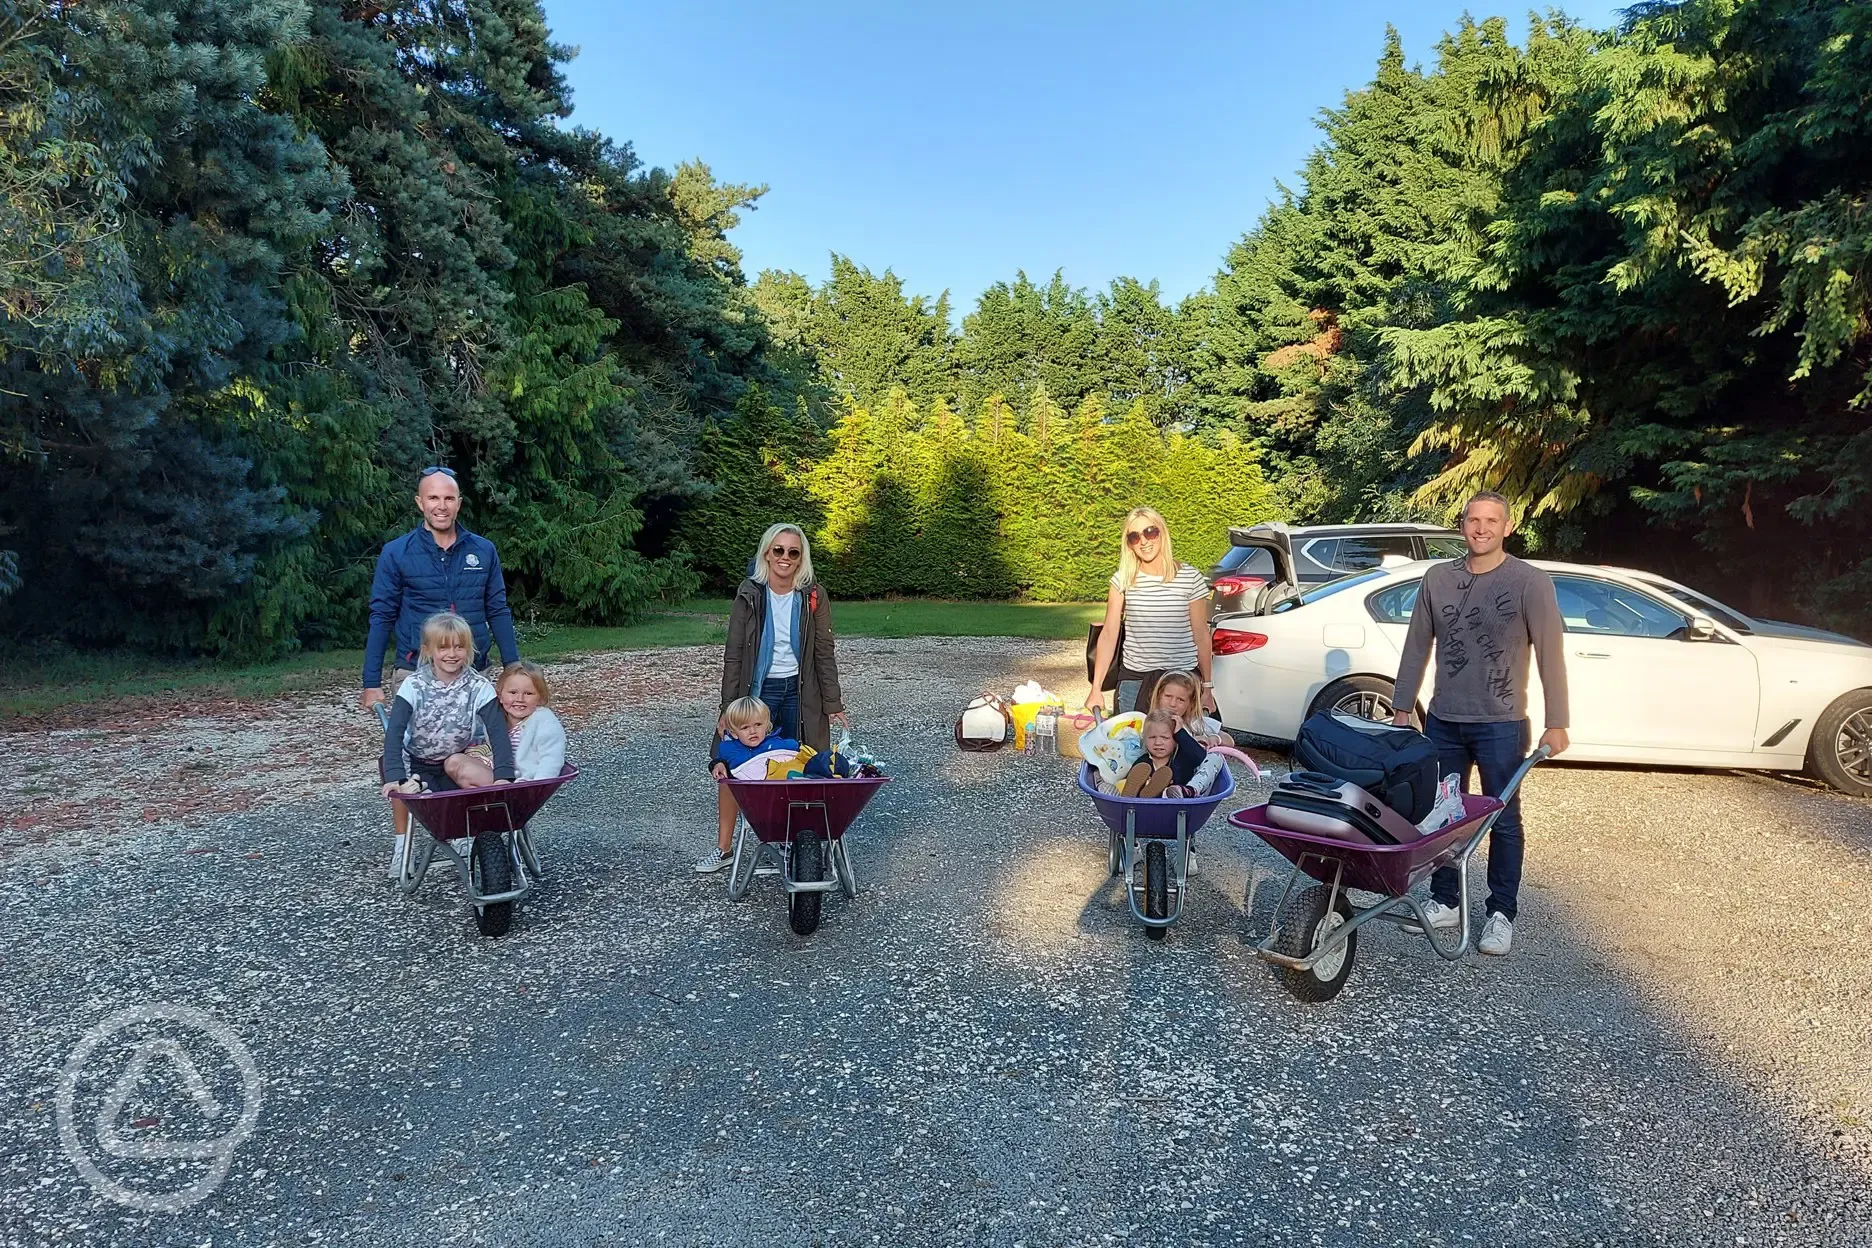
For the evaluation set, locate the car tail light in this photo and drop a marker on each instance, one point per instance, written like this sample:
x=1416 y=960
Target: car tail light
x=1235 y=641
x=1235 y=586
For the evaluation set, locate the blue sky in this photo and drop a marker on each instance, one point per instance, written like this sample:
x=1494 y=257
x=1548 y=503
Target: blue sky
x=956 y=143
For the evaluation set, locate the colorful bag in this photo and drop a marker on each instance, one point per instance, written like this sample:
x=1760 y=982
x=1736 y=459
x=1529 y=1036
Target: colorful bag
x=1113 y=745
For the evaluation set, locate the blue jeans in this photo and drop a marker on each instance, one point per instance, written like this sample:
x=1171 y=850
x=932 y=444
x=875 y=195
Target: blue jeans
x=1496 y=749
x=781 y=694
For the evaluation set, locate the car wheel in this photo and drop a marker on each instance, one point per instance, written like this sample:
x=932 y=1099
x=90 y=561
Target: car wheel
x=1365 y=697
x=1840 y=753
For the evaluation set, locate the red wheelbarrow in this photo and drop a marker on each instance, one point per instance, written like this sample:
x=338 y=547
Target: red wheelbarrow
x=1314 y=937
x=500 y=864
x=796 y=829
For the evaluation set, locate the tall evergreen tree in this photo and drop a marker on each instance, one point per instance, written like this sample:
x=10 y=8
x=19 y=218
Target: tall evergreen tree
x=140 y=510
x=1022 y=336
x=1142 y=350
x=869 y=336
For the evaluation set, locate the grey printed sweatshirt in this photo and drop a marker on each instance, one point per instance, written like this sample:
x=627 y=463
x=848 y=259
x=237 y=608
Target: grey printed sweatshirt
x=1484 y=628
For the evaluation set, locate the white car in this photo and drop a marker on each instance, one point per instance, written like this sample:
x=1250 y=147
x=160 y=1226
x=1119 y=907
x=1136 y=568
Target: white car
x=1659 y=673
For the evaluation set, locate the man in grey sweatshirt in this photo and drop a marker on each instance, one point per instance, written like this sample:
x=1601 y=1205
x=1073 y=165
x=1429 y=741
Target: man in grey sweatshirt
x=1485 y=614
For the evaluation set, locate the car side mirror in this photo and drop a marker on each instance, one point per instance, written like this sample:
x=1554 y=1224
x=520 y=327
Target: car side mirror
x=1702 y=628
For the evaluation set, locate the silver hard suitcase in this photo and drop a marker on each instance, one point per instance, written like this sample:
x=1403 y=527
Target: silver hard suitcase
x=1321 y=805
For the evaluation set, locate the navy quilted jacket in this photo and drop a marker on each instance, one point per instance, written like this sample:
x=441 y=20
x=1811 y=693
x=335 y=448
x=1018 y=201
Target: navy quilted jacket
x=416 y=578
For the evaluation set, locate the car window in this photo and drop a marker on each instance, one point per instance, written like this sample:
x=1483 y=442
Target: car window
x=1314 y=560
x=1394 y=605
x=1599 y=607
x=1247 y=561
x=1330 y=588
x=1445 y=547
x=1731 y=619
x=1355 y=554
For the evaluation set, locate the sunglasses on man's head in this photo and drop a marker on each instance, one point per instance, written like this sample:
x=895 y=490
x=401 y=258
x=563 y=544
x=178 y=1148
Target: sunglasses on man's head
x=434 y=468
x=785 y=552
x=1149 y=533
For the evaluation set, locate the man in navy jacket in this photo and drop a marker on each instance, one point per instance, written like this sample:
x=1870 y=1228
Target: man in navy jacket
x=437 y=566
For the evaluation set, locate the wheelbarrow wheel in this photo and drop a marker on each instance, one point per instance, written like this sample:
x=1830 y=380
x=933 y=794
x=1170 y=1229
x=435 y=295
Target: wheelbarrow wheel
x=490 y=870
x=808 y=868
x=1114 y=853
x=1302 y=924
x=1156 y=887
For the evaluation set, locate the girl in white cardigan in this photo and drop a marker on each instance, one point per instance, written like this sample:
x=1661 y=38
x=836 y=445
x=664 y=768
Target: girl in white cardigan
x=539 y=739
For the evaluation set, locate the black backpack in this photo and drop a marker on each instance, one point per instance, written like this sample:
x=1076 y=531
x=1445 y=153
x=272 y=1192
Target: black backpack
x=1398 y=766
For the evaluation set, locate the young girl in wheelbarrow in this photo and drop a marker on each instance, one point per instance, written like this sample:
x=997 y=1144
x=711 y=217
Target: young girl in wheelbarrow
x=1181 y=694
x=434 y=715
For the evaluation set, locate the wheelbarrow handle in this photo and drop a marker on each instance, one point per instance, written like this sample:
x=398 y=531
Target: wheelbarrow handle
x=383 y=716
x=1541 y=753
x=1504 y=797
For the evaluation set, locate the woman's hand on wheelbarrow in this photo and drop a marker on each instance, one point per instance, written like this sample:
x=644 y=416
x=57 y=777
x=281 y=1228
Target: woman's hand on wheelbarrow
x=719 y=771
x=393 y=788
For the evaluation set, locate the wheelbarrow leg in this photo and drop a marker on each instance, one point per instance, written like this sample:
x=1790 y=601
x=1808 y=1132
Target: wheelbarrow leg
x=746 y=860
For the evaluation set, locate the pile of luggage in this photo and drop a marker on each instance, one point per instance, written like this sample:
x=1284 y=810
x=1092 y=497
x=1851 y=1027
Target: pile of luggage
x=1032 y=721
x=1359 y=780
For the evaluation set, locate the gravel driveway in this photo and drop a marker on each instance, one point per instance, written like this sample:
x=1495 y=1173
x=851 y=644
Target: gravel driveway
x=979 y=1049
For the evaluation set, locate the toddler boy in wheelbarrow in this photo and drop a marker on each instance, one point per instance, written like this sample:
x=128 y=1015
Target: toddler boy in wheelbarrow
x=1484 y=614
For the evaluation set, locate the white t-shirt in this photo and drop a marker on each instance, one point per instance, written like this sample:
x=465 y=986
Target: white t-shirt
x=1157 y=620
x=780 y=610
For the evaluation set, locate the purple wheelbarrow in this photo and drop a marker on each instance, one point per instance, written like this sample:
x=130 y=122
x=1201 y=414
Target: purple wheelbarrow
x=795 y=829
x=1314 y=937
x=1156 y=880
x=499 y=864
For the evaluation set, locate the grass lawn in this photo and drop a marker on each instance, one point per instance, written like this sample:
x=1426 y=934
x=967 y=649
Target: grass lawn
x=36 y=686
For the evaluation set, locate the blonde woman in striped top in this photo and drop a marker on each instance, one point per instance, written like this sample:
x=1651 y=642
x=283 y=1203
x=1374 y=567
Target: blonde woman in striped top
x=1164 y=607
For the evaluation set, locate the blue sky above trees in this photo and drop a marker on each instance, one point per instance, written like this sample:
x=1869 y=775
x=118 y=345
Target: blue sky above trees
x=958 y=143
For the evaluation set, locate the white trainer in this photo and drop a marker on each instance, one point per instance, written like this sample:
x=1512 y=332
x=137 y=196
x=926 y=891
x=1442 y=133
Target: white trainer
x=1497 y=935
x=1441 y=917
x=714 y=861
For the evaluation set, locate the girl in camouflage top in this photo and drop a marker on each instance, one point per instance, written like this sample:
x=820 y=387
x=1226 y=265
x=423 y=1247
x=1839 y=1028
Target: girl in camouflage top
x=435 y=712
